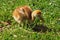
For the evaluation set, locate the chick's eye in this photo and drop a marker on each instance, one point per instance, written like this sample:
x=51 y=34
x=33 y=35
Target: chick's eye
x=39 y=12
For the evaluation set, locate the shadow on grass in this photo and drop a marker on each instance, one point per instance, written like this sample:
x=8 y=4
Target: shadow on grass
x=41 y=28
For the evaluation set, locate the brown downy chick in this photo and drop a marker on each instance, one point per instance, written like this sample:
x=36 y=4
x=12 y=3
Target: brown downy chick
x=22 y=13
x=36 y=13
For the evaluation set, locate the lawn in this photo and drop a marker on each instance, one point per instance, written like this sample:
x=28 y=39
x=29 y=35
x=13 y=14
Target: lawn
x=13 y=31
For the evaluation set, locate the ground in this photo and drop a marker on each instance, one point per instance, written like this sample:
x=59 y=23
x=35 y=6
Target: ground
x=11 y=30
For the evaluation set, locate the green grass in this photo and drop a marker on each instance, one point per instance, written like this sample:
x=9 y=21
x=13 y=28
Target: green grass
x=50 y=12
